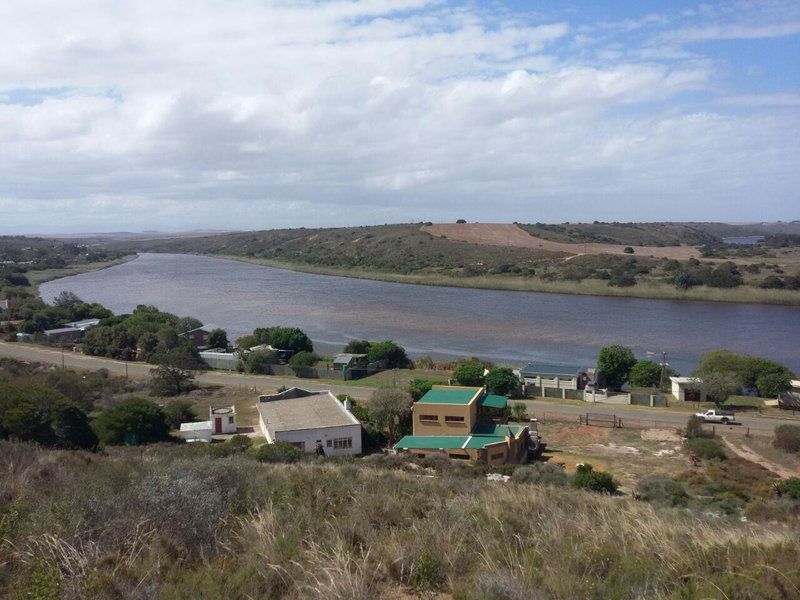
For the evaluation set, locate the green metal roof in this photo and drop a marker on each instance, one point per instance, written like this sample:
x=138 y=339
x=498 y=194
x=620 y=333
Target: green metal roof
x=476 y=442
x=448 y=442
x=449 y=396
x=494 y=401
x=495 y=430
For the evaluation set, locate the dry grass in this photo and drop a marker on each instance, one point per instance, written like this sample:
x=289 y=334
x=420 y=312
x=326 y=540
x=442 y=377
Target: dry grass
x=174 y=522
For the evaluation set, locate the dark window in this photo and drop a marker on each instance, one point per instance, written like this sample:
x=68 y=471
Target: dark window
x=428 y=418
x=450 y=419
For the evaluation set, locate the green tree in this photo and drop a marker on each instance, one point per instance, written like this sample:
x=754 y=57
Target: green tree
x=133 y=421
x=259 y=361
x=71 y=427
x=66 y=299
x=357 y=347
x=284 y=338
x=304 y=359
x=645 y=373
x=218 y=338
x=393 y=354
x=185 y=324
x=772 y=385
x=718 y=385
x=469 y=372
x=23 y=422
x=180 y=411
x=615 y=363
x=390 y=410
x=502 y=381
x=175 y=372
x=419 y=387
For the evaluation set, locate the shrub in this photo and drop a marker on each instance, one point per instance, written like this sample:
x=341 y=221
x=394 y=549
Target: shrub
x=645 y=373
x=628 y=250
x=133 y=421
x=393 y=354
x=541 y=473
x=787 y=438
x=304 y=359
x=278 y=452
x=659 y=489
x=708 y=448
x=519 y=412
x=180 y=411
x=356 y=347
x=469 y=372
x=694 y=428
x=597 y=481
x=790 y=487
x=419 y=387
x=259 y=361
x=502 y=381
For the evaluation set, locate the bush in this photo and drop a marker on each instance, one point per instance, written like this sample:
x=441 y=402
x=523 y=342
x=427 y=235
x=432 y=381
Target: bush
x=278 y=452
x=597 y=481
x=393 y=354
x=659 y=489
x=180 y=411
x=541 y=474
x=259 y=361
x=304 y=359
x=519 y=412
x=790 y=487
x=469 y=372
x=787 y=438
x=646 y=373
x=628 y=250
x=134 y=421
x=502 y=381
x=708 y=448
x=694 y=428
x=419 y=387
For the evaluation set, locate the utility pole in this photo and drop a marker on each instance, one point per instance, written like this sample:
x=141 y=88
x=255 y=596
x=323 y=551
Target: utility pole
x=63 y=364
x=663 y=382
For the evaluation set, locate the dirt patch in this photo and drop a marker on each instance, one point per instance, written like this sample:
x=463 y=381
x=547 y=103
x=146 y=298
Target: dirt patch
x=503 y=234
x=612 y=448
x=746 y=453
x=660 y=435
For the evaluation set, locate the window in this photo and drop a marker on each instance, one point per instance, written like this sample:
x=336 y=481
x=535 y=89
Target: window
x=430 y=418
x=230 y=420
x=329 y=443
x=451 y=419
x=342 y=443
x=460 y=456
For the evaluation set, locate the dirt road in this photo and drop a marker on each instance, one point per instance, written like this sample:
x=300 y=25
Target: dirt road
x=748 y=454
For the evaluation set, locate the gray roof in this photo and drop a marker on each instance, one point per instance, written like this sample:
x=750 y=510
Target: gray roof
x=312 y=411
x=84 y=323
x=62 y=330
x=345 y=358
x=547 y=369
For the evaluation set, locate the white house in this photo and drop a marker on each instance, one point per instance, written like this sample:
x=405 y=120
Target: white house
x=222 y=420
x=308 y=420
x=687 y=389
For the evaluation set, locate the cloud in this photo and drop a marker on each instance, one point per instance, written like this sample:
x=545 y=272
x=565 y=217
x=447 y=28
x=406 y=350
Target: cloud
x=250 y=114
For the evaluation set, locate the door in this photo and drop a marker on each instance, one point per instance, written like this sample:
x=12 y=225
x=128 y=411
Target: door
x=218 y=425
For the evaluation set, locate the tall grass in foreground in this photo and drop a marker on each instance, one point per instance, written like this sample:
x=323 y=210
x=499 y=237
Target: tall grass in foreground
x=172 y=522
x=586 y=287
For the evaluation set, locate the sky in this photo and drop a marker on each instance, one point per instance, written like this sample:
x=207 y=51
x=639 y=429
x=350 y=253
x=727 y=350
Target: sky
x=255 y=114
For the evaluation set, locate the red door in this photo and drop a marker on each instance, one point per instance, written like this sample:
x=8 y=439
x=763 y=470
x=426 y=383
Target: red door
x=218 y=425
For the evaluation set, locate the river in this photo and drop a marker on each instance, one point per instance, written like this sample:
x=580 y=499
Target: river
x=502 y=326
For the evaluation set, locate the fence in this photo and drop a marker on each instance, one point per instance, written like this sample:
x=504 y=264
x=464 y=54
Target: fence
x=613 y=421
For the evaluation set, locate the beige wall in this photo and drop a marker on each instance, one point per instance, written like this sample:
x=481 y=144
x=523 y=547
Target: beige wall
x=441 y=427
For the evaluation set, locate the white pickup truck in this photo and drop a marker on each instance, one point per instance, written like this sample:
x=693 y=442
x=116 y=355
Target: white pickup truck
x=716 y=416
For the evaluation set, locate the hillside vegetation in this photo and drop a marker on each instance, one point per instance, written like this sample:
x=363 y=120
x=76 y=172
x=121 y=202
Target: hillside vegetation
x=180 y=521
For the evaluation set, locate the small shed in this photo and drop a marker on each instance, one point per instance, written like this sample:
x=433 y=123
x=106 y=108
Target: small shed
x=687 y=389
x=197 y=432
x=349 y=361
x=223 y=419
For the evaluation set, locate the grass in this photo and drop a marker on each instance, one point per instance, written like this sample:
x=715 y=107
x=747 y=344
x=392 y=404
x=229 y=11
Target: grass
x=587 y=287
x=397 y=378
x=38 y=277
x=174 y=522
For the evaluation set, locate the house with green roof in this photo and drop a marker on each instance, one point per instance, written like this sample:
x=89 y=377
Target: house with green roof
x=465 y=423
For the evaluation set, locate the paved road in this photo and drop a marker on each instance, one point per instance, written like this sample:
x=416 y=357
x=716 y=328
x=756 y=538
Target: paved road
x=658 y=417
x=264 y=383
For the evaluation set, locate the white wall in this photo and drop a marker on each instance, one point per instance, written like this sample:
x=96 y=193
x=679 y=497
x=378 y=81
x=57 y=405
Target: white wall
x=310 y=437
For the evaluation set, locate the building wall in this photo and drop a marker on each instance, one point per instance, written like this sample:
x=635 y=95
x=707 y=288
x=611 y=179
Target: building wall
x=202 y=434
x=228 y=422
x=468 y=412
x=563 y=382
x=309 y=438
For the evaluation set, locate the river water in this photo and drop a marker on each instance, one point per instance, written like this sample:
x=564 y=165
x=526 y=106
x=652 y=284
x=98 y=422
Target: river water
x=513 y=327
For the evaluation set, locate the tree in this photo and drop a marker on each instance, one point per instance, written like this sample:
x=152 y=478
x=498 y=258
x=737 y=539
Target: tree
x=70 y=425
x=718 y=385
x=180 y=411
x=284 y=338
x=469 y=372
x=23 y=422
x=218 y=338
x=645 y=373
x=393 y=354
x=419 y=387
x=357 y=347
x=259 y=361
x=67 y=300
x=246 y=342
x=175 y=372
x=390 y=410
x=772 y=385
x=519 y=412
x=304 y=359
x=185 y=324
x=133 y=421
x=615 y=363
x=502 y=381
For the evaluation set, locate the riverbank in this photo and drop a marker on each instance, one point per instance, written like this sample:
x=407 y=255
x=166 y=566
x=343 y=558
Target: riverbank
x=37 y=278
x=587 y=287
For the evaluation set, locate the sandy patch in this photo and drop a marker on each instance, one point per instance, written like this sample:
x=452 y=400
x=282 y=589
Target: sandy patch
x=612 y=448
x=660 y=435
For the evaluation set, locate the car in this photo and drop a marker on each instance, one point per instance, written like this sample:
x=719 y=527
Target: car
x=717 y=416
